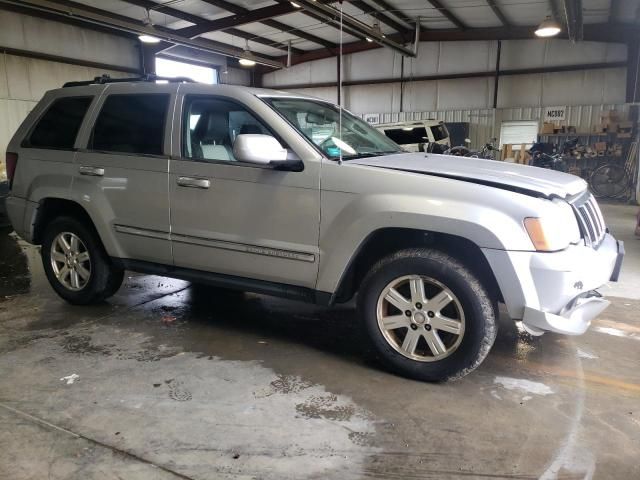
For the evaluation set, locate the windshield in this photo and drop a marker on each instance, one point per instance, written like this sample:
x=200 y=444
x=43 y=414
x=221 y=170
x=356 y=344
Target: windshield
x=320 y=123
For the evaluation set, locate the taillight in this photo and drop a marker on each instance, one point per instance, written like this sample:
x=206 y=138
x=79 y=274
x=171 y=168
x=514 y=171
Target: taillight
x=12 y=163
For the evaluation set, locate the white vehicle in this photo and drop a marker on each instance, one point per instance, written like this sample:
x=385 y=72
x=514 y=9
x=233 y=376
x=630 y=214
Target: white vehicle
x=287 y=195
x=415 y=136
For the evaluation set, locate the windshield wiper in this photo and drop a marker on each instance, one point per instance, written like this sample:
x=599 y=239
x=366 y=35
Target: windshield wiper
x=368 y=155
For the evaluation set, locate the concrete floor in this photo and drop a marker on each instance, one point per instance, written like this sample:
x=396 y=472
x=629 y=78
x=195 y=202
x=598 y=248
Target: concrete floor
x=176 y=381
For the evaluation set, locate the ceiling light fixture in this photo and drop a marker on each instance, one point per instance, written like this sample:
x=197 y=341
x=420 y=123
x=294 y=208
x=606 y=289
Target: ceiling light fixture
x=368 y=39
x=295 y=5
x=148 y=23
x=148 y=39
x=247 y=57
x=548 y=28
x=377 y=30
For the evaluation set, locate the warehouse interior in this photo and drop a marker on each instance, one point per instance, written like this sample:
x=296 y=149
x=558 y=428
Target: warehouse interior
x=173 y=379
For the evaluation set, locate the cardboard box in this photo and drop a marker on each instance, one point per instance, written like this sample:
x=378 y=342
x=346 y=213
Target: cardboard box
x=612 y=116
x=547 y=128
x=600 y=146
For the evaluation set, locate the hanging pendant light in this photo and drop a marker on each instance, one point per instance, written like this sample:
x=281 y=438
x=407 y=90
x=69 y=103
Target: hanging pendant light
x=548 y=28
x=247 y=57
x=148 y=38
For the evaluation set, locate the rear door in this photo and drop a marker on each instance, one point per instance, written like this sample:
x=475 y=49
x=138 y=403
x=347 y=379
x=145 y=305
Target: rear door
x=234 y=218
x=121 y=176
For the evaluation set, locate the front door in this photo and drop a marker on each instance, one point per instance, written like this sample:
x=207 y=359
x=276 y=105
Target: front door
x=235 y=218
x=122 y=175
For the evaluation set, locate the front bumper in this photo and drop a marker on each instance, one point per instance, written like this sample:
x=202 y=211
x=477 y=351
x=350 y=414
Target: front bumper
x=555 y=291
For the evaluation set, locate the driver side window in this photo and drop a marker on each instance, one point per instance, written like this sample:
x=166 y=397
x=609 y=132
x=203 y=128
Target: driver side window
x=211 y=126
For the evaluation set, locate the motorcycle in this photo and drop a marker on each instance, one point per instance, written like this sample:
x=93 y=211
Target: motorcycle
x=553 y=161
x=487 y=151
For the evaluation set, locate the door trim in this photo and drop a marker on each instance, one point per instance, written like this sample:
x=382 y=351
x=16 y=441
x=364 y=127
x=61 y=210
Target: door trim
x=142 y=232
x=219 y=244
x=245 y=248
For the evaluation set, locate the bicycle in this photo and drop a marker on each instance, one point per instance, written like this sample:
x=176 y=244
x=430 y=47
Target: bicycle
x=611 y=180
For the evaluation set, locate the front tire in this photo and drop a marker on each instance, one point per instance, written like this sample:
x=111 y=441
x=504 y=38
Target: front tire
x=76 y=264
x=426 y=316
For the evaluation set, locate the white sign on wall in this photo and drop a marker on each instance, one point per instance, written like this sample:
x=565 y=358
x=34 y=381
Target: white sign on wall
x=372 y=118
x=555 y=114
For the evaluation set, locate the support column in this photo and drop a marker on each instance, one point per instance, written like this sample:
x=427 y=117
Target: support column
x=633 y=72
x=497 y=76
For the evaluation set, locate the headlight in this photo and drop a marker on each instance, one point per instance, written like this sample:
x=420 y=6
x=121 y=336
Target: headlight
x=552 y=233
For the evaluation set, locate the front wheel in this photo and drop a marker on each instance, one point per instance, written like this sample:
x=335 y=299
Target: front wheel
x=426 y=315
x=76 y=264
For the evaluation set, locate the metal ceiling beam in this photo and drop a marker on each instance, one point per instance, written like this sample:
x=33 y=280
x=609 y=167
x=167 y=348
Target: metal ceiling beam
x=498 y=13
x=94 y=16
x=573 y=15
x=179 y=14
x=385 y=7
x=237 y=9
x=447 y=13
x=332 y=15
x=237 y=20
x=380 y=16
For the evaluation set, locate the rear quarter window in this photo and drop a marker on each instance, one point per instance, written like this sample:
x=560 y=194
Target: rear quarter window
x=131 y=123
x=59 y=126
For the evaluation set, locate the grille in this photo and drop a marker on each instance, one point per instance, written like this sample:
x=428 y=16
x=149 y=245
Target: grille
x=590 y=219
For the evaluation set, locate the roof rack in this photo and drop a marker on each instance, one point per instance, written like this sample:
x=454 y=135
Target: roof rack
x=103 y=79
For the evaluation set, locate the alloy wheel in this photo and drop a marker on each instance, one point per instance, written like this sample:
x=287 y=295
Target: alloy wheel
x=70 y=261
x=420 y=318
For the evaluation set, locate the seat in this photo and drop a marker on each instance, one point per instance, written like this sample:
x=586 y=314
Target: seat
x=211 y=140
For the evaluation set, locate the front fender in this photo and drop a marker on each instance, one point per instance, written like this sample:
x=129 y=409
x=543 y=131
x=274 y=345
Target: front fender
x=355 y=216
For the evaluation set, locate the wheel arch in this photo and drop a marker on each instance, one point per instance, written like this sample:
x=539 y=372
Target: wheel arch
x=385 y=241
x=51 y=208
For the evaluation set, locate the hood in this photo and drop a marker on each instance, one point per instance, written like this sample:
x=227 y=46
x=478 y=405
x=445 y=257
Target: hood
x=534 y=181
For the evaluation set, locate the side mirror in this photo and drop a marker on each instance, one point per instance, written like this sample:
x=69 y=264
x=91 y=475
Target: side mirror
x=260 y=149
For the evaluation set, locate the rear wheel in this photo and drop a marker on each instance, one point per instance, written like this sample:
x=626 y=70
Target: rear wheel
x=76 y=265
x=426 y=315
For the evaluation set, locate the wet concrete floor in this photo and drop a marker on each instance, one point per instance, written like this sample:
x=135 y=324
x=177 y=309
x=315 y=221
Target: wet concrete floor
x=170 y=380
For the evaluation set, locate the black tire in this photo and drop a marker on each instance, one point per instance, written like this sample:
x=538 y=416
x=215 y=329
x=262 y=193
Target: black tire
x=104 y=280
x=480 y=312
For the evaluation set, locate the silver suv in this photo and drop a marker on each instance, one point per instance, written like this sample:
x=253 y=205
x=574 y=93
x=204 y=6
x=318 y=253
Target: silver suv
x=288 y=195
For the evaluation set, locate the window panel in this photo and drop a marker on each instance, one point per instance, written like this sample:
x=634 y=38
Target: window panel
x=212 y=125
x=59 y=126
x=131 y=124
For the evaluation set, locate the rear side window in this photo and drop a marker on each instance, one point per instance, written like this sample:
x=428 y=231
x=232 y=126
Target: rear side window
x=59 y=126
x=131 y=124
x=439 y=132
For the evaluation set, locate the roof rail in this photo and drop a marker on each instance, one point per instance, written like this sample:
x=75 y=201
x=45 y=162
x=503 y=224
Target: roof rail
x=104 y=78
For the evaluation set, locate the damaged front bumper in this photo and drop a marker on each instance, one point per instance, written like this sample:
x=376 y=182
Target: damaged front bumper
x=556 y=291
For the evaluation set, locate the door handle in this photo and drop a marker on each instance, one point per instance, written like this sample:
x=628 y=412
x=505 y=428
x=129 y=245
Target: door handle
x=194 y=182
x=93 y=171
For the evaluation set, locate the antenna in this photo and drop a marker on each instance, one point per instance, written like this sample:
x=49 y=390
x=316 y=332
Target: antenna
x=340 y=88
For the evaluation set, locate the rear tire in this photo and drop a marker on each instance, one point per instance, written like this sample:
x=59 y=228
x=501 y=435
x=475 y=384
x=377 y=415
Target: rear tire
x=426 y=316
x=76 y=264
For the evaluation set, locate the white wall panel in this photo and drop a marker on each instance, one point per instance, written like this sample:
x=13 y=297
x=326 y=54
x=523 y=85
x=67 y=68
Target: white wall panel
x=39 y=35
x=460 y=57
x=373 y=98
x=420 y=96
